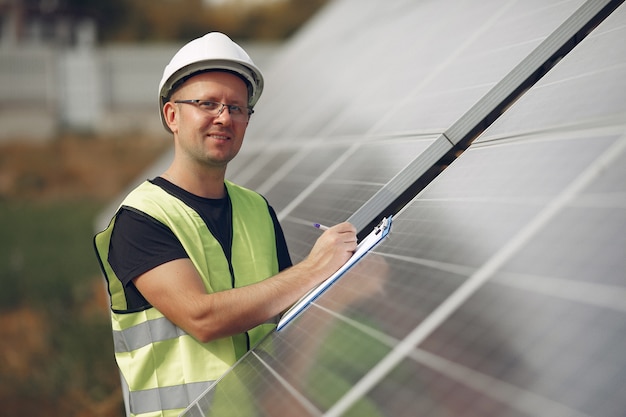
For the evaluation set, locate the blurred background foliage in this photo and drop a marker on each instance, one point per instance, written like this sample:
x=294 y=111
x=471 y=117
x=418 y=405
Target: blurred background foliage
x=172 y=20
x=56 y=355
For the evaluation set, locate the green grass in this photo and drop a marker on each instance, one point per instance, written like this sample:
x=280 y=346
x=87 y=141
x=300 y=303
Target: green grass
x=48 y=265
x=46 y=253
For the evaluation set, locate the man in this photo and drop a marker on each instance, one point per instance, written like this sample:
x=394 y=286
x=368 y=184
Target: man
x=197 y=267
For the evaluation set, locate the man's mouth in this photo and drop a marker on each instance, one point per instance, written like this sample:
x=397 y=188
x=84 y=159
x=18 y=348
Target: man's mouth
x=218 y=136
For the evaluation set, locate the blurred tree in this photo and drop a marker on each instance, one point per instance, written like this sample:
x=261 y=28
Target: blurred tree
x=180 y=20
x=158 y=20
x=108 y=14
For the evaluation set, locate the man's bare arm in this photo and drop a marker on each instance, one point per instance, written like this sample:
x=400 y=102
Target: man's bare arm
x=176 y=289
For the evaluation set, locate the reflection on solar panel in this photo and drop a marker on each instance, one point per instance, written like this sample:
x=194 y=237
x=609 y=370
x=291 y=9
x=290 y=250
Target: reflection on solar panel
x=502 y=288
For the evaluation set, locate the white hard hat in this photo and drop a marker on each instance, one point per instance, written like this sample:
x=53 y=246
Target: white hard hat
x=213 y=51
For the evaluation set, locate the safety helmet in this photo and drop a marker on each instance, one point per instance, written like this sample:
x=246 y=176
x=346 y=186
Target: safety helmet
x=213 y=51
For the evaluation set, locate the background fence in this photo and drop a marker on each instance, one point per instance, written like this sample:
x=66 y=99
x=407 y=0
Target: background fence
x=109 y=90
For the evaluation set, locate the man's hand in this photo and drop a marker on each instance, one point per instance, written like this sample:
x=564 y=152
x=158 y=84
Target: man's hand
x=332 y=249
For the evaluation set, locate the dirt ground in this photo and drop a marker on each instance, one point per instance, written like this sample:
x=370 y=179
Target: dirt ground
x=74 y=167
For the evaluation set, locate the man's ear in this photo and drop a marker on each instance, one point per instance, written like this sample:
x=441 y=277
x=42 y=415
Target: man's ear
x=170 y=115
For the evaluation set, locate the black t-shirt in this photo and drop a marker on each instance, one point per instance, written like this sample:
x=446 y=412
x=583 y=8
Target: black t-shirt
x=140 y=243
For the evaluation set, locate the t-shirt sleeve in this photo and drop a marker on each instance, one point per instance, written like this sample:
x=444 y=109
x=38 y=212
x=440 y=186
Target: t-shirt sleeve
x=140 y=243
x=284 y=259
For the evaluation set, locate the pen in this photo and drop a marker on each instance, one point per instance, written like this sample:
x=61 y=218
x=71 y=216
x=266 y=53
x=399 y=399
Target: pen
x=320 y=226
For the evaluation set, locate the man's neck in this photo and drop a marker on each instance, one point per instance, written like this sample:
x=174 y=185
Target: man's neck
x=205 y=184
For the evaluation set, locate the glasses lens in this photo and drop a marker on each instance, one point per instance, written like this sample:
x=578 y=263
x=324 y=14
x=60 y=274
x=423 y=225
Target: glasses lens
x=214 y=108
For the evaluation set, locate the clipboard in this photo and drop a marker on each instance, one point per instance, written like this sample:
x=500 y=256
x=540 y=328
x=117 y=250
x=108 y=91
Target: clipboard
x=374 y=238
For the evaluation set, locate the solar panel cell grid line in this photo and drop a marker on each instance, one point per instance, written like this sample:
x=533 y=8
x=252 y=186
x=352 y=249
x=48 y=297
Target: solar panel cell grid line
x=282 y=187
x=259 y=166
x=510 y=173
x=445 y=388
x=303 y=167
x=236 y=171
x=302 y=401
x=380 y=294
x=263 y=172
x=232 y=397
x=322 y=206
x=593 y=70
x=303 y=387
x=324 y=363
x=599 y=242
x=375 y=162
x=533 y=343
x=342 y=187
x=574 y=289
x=323 y=176
x=599 y=111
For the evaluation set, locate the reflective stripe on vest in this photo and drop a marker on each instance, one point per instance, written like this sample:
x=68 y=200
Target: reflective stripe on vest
x=175 y=398
x=148 y=332
x=145 y=333
x=158 y=360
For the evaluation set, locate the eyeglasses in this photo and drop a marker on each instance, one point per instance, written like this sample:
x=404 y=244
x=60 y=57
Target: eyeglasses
x=215 y=108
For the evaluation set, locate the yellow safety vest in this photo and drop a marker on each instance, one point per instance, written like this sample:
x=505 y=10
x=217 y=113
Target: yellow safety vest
x=164 y=368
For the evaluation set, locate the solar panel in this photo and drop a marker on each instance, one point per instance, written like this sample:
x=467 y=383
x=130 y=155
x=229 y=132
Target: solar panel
x=501 y=290
x=390 y=68
x=389 y=90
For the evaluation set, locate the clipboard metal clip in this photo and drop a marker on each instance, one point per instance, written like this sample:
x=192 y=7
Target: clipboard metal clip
x=383 y=225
